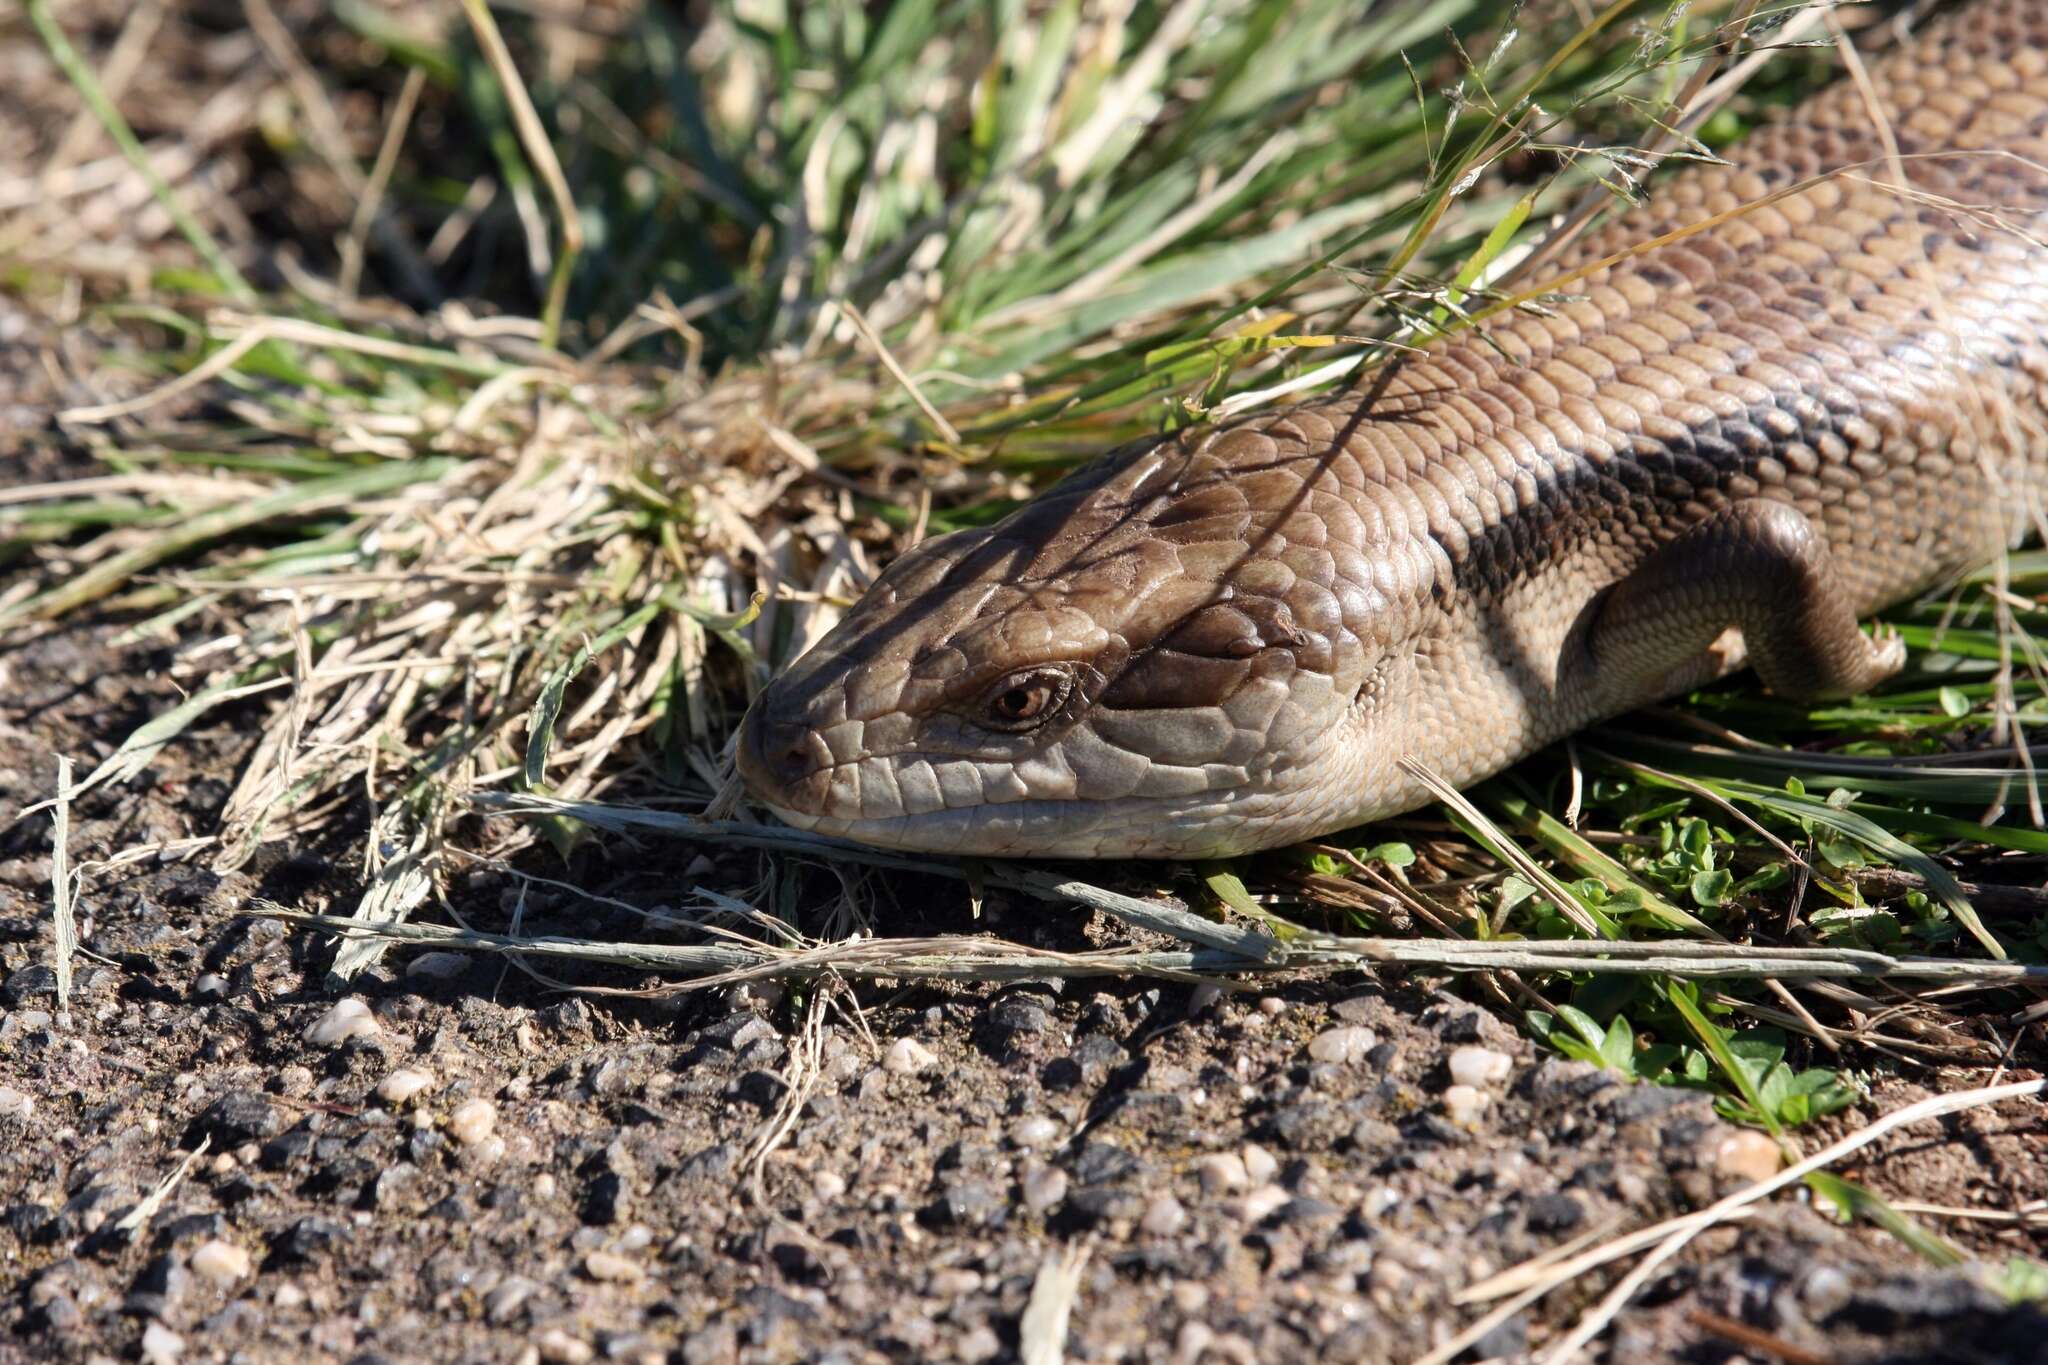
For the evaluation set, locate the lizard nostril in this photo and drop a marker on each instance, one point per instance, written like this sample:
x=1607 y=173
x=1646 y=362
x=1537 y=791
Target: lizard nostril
x=776 y=755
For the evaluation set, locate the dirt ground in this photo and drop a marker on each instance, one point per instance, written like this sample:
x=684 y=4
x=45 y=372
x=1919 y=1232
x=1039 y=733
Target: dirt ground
x=468 y=1164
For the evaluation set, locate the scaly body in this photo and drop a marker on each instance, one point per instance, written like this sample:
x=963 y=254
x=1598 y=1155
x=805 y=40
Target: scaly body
x=1824 y=395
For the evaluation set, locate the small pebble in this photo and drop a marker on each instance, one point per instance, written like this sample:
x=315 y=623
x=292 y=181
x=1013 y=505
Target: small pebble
x=954 y=1284
x=1260 y=1165
x=160 y=1345
x=210 y=986
x=907 y=1056
x=472 y=1122
x=1463 y=1103
x=828 y=1185
x=559 y=1347
x=1221 y=1173
x=1204 y=998
x=1260 y=1204
x=1748 y=1155
x=610 y=1267
x=1164 y=1217
x=1033 y=1130
x=16 y=1104
x=977 y=1345
x=402 y=1084
x=349 y=1018
x=1271 y=1005
x=221 y=1262
x=1343 y=1045
x=1480 y=1066
x=288 y=1296
x=438 y=966
x=544 y=1186
x=1044 y=1186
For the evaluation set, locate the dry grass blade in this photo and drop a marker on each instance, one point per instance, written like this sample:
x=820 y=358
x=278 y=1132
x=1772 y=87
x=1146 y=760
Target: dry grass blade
x=541 y=152
x=95 y=97
x=64 y=921
x=1042 y=1332
x=137 y=1219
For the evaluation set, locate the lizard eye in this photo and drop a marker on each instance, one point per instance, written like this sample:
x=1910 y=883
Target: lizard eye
x=1024 y=701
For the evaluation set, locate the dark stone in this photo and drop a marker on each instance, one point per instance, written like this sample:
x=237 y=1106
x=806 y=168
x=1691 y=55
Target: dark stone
x=1100 y=1204
x=27 y=1222
x=1437 y=1129
x=762 y=1089
x=237 y=1117
x=286 y=1149
x=1463 y=1026
x=1019 y=1018
x=1062 y=1073
x=158 y=1288
x=1098 y=1162
x=1306 y=1210
x=1639 y=1102
x=307 y=1239
x=966 y=1203
x=1554 y=1213
x=1097 y=1053
x=453 y=1209
x=712 y=1163
x=33 y=982
x=606 y=1198
x=1311 y=1122
x=731 y=1034
x=1510 y=1340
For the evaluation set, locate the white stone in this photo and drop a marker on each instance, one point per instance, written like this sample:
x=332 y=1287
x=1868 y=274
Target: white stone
x=438 y=966
x=1033 y=1130
x=1343 y=1045
x=402 y=1084
x=1222 y=1172
x=1260 y=1166
x=16 y=1104
x=828 y=1185
x=472 y=1121
x=1748 y=1155
x=1260 y=1204
x=1480 y=1066
x=221 y=1262
x=559 y=1347
x=1464 y=1103
x=952 y=1283
x=1164 y=1216
x=1044 y=1186
x=348 y=1018
x=160 y=1345
x=610 y=1267
x=907 y=1056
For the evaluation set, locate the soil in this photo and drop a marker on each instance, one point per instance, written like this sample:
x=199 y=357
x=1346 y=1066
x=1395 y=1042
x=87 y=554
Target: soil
x=1248 y=1178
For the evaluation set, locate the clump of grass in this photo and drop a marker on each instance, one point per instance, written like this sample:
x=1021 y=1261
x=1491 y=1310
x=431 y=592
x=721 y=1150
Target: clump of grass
x=814 y=282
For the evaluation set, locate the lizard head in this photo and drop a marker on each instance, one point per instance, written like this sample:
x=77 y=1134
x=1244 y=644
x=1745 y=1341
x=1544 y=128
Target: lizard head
x=1133 y=665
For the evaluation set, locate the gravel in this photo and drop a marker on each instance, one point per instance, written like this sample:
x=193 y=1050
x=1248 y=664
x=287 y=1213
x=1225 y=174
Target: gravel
x=450 y=1161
